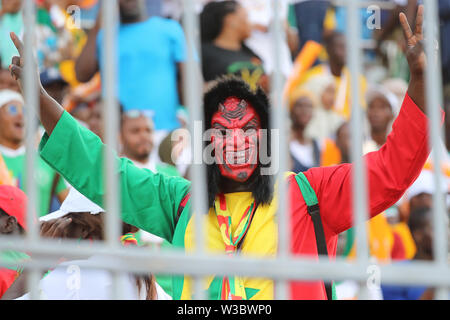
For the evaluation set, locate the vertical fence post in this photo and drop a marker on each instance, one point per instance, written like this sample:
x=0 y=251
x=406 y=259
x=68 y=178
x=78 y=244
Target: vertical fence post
x=279 y=117
x=31 y=110
x=359 y=186
x=193 y=100
x=434 y=102
x=111 y=124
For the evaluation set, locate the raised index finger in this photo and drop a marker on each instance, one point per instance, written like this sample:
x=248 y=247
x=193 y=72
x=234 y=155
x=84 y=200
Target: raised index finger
x=17 y=43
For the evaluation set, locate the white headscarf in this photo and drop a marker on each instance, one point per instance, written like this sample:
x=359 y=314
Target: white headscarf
x=8 y=96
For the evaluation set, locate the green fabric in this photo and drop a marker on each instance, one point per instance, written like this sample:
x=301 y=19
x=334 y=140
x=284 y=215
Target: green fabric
x=43 y=18
x=149 y=201
x=44 y=179
x=307 y=191
x=11 y=258
x=9 y=23
x=292 y=19
x=167 y=169
x=350 y=238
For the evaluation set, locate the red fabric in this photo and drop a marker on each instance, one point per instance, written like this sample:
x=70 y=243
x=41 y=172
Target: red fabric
x=398 y=248
x=391 y=170
x=7 y=277
x=14 y=202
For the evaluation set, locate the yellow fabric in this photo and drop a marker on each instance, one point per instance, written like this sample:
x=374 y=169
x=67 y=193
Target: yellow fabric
x=263 y=223
x=331 y=155
x=305 y=59
x=329 y=23
x=343 y=108
x=5 y=176
x=403 y=231
x=381 y=239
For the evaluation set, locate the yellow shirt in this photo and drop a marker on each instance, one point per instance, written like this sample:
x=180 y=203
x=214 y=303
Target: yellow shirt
x=255 y=246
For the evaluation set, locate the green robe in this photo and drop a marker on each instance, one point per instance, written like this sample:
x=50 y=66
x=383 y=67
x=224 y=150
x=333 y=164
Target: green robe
x=150 y=201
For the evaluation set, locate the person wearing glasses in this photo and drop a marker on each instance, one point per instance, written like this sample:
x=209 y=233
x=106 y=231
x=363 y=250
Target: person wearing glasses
x=13 y=152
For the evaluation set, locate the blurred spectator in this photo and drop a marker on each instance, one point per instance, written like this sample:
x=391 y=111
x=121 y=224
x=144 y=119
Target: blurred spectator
x=224 y=28
x=12 y=148
x=54 y=84
x=420 y=194
x=420 y=224
x=310 y=15
x=13 y=223
x=11 y=20
x=261 y=16
x=81 y=219
x=305 y=152
x=336 y=50
x=325 y=119
x=136 y=137
x=7 y=82
x=154 y=7
x=381 y=111
x=149 y=72
x=59 y=36
x=444 y=15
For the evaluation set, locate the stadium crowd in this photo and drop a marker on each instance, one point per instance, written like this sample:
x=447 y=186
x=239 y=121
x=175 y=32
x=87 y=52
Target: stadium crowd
x=236 y=40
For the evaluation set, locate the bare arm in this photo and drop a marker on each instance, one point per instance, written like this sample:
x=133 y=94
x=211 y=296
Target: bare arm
x=86 y=65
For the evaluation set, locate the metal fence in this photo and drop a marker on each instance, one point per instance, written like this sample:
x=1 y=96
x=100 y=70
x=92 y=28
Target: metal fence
x=199 y=264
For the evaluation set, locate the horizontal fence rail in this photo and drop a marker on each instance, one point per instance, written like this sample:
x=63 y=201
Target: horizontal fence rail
x=46 y=253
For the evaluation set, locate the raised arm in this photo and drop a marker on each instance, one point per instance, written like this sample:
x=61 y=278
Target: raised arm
x=86 y=65
x=392 y=169
x=149 y=201
x=50 y=110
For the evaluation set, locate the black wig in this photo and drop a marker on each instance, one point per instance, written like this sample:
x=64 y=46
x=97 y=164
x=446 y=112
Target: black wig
x=261 y=186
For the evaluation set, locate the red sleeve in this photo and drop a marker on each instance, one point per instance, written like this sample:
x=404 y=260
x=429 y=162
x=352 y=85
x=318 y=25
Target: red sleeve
x=390 y=171
x=398 y=249
x=7 y=277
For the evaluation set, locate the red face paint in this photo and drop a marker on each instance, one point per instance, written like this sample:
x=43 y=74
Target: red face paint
x=235 y=138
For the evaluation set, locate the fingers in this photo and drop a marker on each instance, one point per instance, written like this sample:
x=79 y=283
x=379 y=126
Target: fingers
x=419 y=23
x=17 y=43
x=407 y=32
x=16 y=72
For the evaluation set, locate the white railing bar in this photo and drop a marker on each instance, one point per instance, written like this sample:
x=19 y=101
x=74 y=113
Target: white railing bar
x=31 y=110
x=111 y=125
x=434 y=102
x=193 y=93
x=359 y=185
x=416 y=273
x=278 y=122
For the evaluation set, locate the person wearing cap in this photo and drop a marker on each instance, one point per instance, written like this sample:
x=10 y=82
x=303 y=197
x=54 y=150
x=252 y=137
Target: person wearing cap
x=12 y=223
x=12 y=150
x=79 y=218
x=242 y=213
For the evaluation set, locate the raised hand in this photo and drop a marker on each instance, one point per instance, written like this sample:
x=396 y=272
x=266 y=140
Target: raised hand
x=415 y=52
x=415 y=55
x=50 y=110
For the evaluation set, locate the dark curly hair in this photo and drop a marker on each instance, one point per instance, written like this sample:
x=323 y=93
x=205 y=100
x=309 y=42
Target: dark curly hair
x=212 y=17
x=261 y=186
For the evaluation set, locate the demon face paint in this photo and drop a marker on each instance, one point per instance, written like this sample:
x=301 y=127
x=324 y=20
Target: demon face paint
x=236 y=132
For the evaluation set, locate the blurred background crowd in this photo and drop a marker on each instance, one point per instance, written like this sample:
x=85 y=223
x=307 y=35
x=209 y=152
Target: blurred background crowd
x=236 y=38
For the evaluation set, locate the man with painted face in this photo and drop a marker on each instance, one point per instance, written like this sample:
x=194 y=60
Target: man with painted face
x=241 y=217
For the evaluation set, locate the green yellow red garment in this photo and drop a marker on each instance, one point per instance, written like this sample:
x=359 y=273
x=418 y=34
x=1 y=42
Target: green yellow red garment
x=152 y=201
